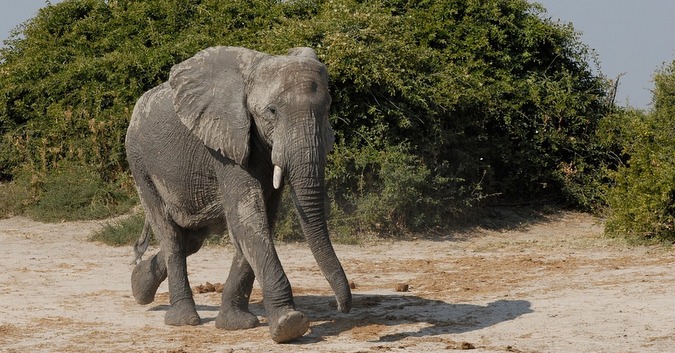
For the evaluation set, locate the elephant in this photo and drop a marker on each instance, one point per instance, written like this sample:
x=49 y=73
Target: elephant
x=210 y=151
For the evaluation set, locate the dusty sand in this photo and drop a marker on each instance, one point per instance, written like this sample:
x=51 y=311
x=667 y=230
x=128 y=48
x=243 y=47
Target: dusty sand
x=552 y=284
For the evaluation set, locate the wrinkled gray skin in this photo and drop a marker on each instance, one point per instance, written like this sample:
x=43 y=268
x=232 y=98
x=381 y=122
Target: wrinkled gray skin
x=203 y=148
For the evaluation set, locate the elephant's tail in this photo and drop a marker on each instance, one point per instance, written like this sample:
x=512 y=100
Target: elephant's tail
x=142 y=243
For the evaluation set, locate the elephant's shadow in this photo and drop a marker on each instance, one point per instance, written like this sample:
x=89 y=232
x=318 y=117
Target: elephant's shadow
x=379 y=310
x=393 y=310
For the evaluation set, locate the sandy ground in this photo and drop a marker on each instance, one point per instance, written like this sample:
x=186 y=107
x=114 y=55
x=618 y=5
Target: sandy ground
x=552 y=284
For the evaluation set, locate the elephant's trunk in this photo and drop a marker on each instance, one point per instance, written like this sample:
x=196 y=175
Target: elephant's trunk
x=309 y=196
x=306 y=159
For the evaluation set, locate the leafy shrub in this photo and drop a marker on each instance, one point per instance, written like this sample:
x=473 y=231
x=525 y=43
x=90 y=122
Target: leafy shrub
x=287 y=225
x=390 y=190
x=15 y=196
x=436 y=104
x=642 y=196
x=487 y=98
x=122 y=232
x=75 y=192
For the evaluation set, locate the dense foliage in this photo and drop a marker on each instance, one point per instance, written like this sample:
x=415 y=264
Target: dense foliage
x=437 y=104
x=642 y=195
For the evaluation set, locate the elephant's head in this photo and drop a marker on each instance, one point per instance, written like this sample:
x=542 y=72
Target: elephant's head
x=226 y=94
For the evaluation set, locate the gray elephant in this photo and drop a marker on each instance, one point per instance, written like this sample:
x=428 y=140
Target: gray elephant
x=212 y=147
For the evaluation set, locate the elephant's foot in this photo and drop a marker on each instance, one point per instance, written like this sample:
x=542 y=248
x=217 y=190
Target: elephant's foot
x=182 y=313
x=236 y=319
x=288 y=326
x=146 y=278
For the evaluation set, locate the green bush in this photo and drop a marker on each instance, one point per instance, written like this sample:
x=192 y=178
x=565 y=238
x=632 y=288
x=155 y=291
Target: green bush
x=123 y=232
x=642 y=196
x=391 y=190
x=74 y=192
x=287 y=225
x=15 y=196
x=473 y=100
x=437 y=105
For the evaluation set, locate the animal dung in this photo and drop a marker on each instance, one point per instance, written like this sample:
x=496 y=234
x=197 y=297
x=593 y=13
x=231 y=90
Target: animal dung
x=208 y=288
x=402 y=287
x=466 y=346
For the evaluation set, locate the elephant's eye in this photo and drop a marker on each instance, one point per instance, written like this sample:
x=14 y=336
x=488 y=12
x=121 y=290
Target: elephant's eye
x=272 y=109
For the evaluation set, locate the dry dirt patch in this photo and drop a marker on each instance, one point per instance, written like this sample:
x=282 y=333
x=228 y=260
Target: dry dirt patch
x=552 y=285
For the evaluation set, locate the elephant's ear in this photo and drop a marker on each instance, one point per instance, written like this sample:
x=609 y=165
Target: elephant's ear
x=209 y=98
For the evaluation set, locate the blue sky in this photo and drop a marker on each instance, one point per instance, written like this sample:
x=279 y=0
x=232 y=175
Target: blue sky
x=14 y=12
x=633 y=38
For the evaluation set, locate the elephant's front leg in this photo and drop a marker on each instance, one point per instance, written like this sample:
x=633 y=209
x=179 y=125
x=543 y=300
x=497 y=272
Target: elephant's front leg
x=251 y=235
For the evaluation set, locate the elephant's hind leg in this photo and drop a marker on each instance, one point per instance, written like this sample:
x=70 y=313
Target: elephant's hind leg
x=146 y=278
x=182 y=311
x=176 y=244
x=149 y=274
x=234 y=313
x=177 y=247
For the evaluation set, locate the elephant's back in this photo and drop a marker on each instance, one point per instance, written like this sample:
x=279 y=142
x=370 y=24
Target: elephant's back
x=156 y=100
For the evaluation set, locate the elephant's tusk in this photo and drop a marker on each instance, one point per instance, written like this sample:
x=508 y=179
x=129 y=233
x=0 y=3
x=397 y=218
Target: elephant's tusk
x=278 y=174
